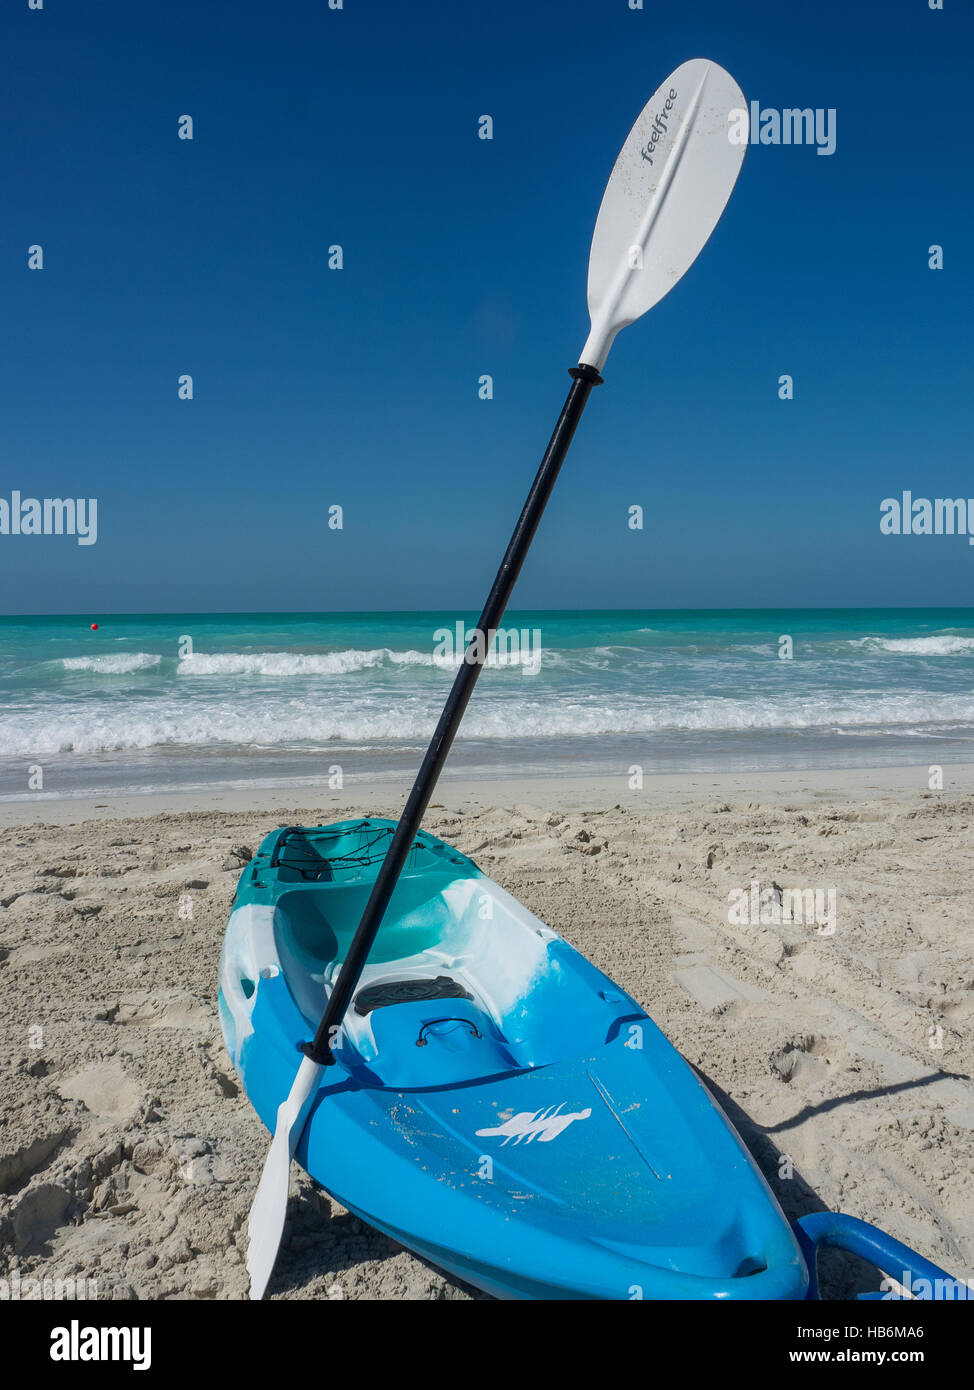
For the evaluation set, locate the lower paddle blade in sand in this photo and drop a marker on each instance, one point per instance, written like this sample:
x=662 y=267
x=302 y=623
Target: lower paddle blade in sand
x=269 y=1211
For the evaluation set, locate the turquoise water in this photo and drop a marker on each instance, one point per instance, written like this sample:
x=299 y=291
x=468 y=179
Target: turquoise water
x=269 y=698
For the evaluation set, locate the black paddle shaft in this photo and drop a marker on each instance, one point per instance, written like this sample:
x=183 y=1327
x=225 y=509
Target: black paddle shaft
x=319 y=1050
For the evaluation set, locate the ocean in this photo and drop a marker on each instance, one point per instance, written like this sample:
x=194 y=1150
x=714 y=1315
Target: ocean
x=191 y=701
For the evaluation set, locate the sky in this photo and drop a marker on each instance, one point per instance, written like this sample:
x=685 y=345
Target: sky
x=316 y=387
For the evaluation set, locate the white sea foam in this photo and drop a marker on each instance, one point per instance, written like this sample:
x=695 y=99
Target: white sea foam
x=329 y=663
x=943 y=644
x=116 y=664
x=296 y=663
x=282 y=722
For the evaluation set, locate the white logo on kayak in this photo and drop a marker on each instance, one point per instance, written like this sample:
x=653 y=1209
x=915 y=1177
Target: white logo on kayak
x=538 y=1124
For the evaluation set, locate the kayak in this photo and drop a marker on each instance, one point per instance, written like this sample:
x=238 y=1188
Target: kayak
x=496 y=1103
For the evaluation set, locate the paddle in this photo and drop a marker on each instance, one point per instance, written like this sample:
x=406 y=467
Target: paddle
x=664 y=197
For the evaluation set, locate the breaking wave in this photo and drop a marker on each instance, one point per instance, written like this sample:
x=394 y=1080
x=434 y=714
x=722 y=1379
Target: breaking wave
x=117 y=664
x=940 y=645
x=286 y=721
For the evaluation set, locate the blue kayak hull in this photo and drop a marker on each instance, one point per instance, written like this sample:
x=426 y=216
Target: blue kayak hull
x=497 y=1104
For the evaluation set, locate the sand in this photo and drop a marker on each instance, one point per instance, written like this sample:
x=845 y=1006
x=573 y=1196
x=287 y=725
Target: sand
x=129 y=1155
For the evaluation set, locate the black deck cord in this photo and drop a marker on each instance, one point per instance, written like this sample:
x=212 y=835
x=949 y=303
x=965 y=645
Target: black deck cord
x=361 y=856
x=319 y=1049
x=423 y=1041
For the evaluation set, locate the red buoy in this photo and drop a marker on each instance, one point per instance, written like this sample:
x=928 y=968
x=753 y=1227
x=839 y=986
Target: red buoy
x=94 y=627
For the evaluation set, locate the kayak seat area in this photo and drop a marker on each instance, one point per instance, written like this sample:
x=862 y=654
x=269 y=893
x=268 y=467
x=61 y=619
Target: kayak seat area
x=447 y=941
x=386 y=992
x=315 y=923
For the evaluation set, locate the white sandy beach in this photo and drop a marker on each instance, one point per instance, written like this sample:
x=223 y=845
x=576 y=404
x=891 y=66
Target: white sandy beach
x=129 y=1155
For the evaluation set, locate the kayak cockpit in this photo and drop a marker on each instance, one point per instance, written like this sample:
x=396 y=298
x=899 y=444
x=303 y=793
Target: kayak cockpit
x=462 y=980
x=490 y=984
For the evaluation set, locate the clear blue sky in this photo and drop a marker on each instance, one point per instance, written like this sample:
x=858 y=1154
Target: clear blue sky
x=462 y=256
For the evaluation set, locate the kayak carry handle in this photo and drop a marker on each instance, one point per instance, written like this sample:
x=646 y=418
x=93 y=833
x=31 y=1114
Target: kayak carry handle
x=423 y=1040
x=283 y=835
x=922 y=1279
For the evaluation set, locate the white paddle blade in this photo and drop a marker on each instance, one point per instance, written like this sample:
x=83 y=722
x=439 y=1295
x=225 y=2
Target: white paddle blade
x=269 y=1211
x=664 y=197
